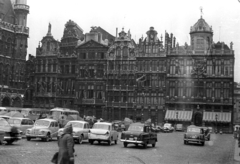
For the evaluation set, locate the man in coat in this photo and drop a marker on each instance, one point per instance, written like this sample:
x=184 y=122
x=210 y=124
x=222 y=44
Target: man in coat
x=66 y=146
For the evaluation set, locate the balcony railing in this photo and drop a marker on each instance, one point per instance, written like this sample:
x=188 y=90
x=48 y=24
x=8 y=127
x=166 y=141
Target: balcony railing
x=7 y=26
x=22 y=29
x=21 y=7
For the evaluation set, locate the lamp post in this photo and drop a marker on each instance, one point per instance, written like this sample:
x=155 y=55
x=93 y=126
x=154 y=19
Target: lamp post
x=216 y=117
x=176 y=116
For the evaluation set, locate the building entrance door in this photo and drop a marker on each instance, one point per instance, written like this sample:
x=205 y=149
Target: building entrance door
x=198 y=119
x=6 y=102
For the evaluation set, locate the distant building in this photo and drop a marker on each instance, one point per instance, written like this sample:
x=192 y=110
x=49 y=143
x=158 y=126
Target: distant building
x=14 y=34
x=236 y=118
x=200 y=81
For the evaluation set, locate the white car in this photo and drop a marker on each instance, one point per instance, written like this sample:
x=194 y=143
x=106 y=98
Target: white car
x=167 y=127
x=46 y=129
x=103 y=131
x=80 y=130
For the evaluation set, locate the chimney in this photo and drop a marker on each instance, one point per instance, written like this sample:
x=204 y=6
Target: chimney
x=116 y=32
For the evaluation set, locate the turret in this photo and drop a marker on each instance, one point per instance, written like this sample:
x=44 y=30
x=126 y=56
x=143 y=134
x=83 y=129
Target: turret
x=21 y=10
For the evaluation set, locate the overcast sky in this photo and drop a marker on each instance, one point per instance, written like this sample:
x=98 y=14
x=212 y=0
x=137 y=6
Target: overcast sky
x=174 y=16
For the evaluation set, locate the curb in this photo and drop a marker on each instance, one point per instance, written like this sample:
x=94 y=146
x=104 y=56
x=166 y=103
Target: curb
x=236 y=151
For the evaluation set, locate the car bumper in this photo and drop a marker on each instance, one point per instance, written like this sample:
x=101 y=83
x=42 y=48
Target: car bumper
x=8 y=138
x=98 y=137
x=36 y=136
x=194 y=140
x=131 y=141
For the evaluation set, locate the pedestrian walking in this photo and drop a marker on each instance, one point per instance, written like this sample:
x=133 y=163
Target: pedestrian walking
x=66 y=146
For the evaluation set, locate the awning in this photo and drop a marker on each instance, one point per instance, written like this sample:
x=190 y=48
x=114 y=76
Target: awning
x=217 y=116
x=178 y=115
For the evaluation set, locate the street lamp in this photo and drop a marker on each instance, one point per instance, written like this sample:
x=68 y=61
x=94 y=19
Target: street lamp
x=216 y=117
x=176 y=116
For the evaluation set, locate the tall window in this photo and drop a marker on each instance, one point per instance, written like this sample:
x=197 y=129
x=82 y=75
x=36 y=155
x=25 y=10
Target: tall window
x=189 y=66
x=180 y=88
x=209 y=89
x=91 y=71
x=172 y=67
x=125 y=52
x=172 y=88
x=226 y=89
x=218 y=67
x=188 y=89
x=217 y=90
x=227 y=67
x=90 y=91
x=209 y=67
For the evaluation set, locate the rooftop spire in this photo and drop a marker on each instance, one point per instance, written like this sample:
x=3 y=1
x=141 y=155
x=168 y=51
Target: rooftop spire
x=201 y=10
x=49 y=30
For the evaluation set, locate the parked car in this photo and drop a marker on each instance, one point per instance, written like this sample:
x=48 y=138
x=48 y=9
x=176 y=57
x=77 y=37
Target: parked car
x=167 y=127
x=46 y=129
x=179 y=127
x=80 y=130
x=11 y=134
x=139 y=133
x=5 y=117
x=194 y=134
x=103 y=131
x=22 y=123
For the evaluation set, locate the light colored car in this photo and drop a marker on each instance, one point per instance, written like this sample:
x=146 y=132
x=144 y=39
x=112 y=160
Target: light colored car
x=46 y=129
x=21 y=123
x=5 y=117
x=167 y=127
x=103 y=131
x=179 y=127
x=80 y=130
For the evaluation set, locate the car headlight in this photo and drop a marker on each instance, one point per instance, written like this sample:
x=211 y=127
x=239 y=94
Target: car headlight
x=42 y=132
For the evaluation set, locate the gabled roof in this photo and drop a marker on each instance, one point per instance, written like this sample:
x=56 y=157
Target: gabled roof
x=91 y=43
x=105 y=34
x=7 y=11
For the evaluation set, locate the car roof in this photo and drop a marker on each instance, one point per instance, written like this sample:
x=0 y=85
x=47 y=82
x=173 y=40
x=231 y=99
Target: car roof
x=48 y=119
x=106 y=123
x=20 y=118
x=79 y=121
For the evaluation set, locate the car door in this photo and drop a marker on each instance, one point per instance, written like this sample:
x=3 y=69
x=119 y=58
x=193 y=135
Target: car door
x=85 y=130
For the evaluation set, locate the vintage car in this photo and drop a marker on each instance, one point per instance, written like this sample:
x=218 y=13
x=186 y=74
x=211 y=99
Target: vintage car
x=22 y=123
x=194 y=134
x=103 y=131
x=80 y=130
x=5 y=117
x=167 y=127
x=179 y=127
x=46 y=129
x=139 y=133
x=11 y=134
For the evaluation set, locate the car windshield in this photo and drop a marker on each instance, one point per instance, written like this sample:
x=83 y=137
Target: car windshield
x=101 y=126
x=14 y=121
x=195 y=130
x=3 y=123
x=44 y=123
x=135 y=128
x=75 y=124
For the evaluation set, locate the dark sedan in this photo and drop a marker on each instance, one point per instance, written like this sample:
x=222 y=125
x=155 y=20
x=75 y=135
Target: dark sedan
x=139 y=133
x=11 y=134
x=194 y=134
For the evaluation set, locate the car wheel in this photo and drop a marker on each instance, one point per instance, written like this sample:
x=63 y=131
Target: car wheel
x=80 y=139
x=185 y=142
x=110 y=142
x=91 y=142
x=9 y=142
x=115 y=142
x=99 y=142
x=28 y=138
x=125 y=144
x=154 y=144
x=144 y=146
x=48 y=137
x=203 y=143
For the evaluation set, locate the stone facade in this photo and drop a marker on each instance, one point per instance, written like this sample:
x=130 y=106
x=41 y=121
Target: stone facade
x=13 y=50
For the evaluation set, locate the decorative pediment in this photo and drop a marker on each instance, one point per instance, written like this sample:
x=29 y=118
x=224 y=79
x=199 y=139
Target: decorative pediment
x=91 y=43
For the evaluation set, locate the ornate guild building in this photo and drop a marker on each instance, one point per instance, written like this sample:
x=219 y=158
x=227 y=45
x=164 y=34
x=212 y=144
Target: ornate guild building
x=13 y=50
x=200 y=81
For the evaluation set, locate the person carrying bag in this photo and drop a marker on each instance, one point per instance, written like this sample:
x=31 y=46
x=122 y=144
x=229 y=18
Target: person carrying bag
x=65 y=155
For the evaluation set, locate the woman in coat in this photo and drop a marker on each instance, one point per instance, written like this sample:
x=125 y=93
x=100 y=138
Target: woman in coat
x=66 y=146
